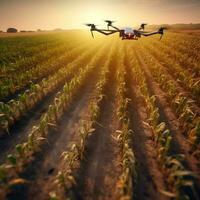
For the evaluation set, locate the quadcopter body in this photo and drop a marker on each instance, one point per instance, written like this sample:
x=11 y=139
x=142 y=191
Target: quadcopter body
x=129 y=34
x=126 y=33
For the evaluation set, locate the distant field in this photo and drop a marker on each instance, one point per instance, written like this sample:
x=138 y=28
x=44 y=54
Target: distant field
x=3 y=34
x=102 y=118
x=192 y=32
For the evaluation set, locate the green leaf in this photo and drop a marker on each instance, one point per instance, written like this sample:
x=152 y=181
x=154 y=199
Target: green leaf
x=19 y=149
x=12 y=159
x=160 y=127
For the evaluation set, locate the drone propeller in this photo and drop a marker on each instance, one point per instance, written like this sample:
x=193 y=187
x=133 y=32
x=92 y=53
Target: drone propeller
x=143 y=26
x=161 y=31
x=109 y=23
x=93 y=27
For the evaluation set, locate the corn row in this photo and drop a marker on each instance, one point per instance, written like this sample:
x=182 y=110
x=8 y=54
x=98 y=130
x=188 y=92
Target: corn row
x=10 y=171
x=15 y=109
x=32 y=57
x=12 y=84
x=71 y=159
x=184 y=110
x=13 y=50
x=180 y=180
x=181 y=43
x=189 y=62
x=125 y=135
x=184 y=77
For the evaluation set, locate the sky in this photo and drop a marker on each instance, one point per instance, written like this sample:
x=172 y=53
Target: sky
x=51 y=14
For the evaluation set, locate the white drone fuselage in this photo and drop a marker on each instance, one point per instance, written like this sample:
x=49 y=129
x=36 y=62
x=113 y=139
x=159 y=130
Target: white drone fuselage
x=129 y=33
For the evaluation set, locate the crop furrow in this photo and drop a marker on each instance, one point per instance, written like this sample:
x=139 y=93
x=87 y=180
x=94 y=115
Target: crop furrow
x=169 y=150
x=186 y=111
x=11 y=87
x=162 y=75
x=37 y=137
x=188 y=80
x=148 y=178
x=183 y=144
x=14 y=110
x=186 y=61
x=20 y=129
x=49 y=159
x=26 y=62
x=89 y=130
x=181 y=43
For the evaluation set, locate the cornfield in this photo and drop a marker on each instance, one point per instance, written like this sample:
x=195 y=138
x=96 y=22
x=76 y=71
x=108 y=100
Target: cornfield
x=102 y=118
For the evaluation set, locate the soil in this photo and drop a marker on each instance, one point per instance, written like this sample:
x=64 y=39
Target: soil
x=150 y=180
x=38 y=80
x=41 y=182
x=98 y=176
x=100 y=171
x=181 y=87
x=19 y=132
x=179 y=142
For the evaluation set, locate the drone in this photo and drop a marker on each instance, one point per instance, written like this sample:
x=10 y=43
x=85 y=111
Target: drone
x=126 y=33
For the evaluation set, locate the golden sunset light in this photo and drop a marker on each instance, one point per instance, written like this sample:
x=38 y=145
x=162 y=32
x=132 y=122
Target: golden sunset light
x=100 y=100
x=34 y=14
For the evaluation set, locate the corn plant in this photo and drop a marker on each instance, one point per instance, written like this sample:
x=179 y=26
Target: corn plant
x=194 y=135
x=129 y=176
x=182 y=181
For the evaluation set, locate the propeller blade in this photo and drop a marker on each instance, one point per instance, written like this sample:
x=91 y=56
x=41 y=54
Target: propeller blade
x=143 y=26
x=88 y=24
x=93 y=26
x=109 y=22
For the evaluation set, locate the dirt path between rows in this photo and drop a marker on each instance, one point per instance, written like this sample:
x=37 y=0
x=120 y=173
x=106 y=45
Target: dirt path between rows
x=48 y=160
x=149 y=180
x=179 y=143
x=180 y=86
x=19 y=132
x=61 y=140
x=100 y=171
x=46 y=76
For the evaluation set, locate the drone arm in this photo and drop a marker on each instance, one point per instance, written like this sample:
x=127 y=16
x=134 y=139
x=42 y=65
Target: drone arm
x=114 y=27
x=160 y=31
x=149 y=34
x=106 y=33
